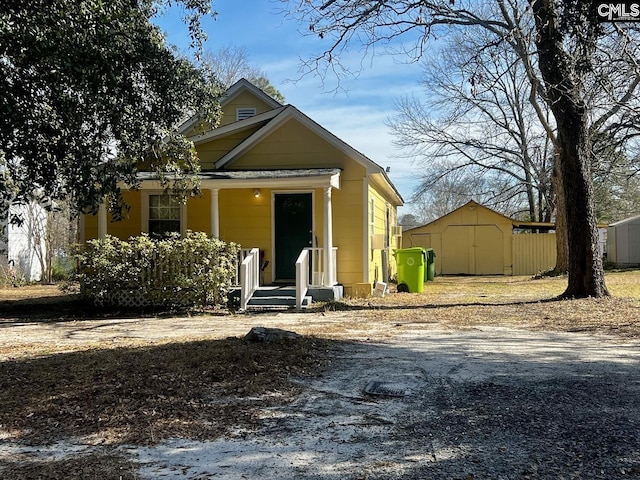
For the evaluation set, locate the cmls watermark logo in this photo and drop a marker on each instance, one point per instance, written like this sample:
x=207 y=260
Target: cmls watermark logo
x=618 y=11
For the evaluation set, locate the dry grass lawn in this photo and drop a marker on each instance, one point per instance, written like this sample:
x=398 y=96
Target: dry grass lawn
x=519 y=302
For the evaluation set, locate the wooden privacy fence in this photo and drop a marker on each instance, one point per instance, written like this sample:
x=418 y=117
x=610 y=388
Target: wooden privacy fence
x=533 y=253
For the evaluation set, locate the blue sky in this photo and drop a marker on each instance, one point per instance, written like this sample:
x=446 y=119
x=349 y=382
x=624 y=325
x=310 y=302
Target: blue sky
x=356 y=113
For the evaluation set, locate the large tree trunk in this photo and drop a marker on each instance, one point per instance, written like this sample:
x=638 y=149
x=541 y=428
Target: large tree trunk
x=586 y=274
x=563 y=82
x=562 y=245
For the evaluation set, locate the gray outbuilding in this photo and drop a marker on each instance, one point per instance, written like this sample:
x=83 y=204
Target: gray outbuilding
x=623 y=242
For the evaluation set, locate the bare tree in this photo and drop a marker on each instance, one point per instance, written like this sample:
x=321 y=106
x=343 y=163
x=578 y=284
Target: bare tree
x=231 y=63
x=577 y=61
x=53 y=231
x=477 y=119
x=433 y=199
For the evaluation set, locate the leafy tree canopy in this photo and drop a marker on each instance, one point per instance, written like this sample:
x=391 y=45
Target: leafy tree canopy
x=90 y=90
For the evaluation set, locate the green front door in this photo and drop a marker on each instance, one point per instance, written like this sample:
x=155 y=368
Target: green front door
x=293 y=230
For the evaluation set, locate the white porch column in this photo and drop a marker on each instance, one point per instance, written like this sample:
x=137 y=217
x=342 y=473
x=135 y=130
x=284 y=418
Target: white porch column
x=102 y=220
x=328 y=239
x=215 y=214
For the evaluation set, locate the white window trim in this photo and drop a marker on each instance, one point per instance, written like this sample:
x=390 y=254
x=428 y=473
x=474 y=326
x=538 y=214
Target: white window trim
x=144 y=214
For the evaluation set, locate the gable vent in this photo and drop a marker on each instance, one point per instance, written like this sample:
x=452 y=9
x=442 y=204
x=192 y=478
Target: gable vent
x=245 y=112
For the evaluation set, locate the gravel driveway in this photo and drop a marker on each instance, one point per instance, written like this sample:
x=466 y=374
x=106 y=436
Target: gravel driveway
x=487 y=402
x=491 y=403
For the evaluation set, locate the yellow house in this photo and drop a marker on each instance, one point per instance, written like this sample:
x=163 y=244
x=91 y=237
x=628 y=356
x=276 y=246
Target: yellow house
x=274 y=180
x=475 y=240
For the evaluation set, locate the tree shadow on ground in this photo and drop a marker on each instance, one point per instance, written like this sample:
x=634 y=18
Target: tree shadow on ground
x=143 y=395
x=479 y=407
x=103 y=464
x=74 y=307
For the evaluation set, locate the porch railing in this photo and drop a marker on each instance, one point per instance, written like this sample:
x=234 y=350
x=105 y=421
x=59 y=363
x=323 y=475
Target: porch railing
x=310 y=271
x=318 y=277
x=302 y=276
x=242 y=254
x=249 y=276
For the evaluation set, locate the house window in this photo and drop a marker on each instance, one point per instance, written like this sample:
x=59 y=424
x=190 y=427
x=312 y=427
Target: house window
x=245 y=112
x=164 y=214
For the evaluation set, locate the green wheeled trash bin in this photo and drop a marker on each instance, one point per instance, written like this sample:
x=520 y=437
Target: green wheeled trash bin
x=430 y=267
x=411 y=274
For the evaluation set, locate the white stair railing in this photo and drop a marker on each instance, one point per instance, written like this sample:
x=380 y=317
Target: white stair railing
x=302 y=277
x=316 y=263
x=249 y=276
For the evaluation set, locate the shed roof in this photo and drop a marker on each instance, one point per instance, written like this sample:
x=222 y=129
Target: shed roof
x=635 y=219
x=470 y=203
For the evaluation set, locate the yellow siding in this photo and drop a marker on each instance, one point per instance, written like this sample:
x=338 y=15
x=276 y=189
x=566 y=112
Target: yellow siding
x=199 y=213
x=246 y=220
x=348 y=228
x=380 y=235
x=90 y=227
x=533 y=253
x=129 y=226
x=211 y=152
x=243 y=100
x=293 y=145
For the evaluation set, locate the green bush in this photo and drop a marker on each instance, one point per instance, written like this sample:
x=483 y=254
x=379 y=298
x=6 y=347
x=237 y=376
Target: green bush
x=193 y=270
x=62 y=268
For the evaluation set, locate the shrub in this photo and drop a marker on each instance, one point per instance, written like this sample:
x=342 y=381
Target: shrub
x=11 y=276
x=194 y=270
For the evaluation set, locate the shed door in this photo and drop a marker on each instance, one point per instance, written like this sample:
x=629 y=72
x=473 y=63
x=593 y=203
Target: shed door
x=472 y=250
x=488 y=250
x=456 y=243
x=292 y=230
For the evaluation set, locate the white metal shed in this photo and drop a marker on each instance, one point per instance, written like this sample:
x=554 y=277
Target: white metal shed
x=623 y=242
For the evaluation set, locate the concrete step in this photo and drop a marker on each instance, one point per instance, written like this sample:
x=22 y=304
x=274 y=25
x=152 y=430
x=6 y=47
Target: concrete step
x=277 y=302
x=275 y=292
x=281 y=297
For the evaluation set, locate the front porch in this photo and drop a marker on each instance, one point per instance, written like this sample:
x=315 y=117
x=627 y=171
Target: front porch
x=315 y=281
x=285 y=216
x=278 y=211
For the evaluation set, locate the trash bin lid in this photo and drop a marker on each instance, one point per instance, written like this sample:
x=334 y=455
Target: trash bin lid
x=413 y=249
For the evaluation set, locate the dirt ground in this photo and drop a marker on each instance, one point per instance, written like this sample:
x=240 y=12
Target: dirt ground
x=502 y=390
